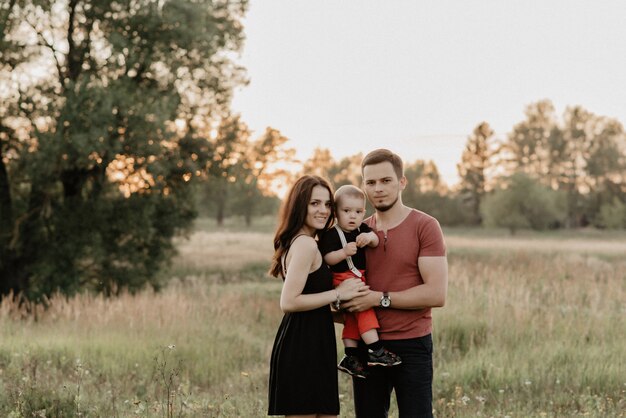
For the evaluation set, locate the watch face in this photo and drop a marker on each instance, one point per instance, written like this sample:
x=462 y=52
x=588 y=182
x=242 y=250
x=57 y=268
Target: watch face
x=385 y=302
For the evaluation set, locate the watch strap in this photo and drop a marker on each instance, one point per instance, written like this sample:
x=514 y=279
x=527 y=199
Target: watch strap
x=385 y=297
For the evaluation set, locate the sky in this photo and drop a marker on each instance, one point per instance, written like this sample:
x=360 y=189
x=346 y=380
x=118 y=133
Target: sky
x=418 y=76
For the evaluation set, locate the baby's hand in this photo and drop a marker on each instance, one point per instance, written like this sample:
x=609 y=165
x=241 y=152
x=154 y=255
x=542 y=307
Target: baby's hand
x=350 y=249
x=363 y=239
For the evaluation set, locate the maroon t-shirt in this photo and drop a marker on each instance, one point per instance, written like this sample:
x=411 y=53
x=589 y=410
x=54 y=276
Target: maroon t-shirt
x=392 y=267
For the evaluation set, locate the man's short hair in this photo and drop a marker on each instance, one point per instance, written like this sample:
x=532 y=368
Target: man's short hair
x=382 y=155
x=348 y=190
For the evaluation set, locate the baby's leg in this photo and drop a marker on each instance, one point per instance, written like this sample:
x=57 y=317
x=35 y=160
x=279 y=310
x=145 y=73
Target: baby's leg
x=349 y=342
x=369 y=337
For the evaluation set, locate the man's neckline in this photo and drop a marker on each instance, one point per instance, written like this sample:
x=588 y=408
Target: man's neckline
x=382 y=226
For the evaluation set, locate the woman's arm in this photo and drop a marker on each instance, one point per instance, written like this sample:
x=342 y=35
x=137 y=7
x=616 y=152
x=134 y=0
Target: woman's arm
x=303 y=258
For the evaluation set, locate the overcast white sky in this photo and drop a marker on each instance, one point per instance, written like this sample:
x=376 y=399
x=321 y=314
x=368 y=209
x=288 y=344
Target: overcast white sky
x=418 y=76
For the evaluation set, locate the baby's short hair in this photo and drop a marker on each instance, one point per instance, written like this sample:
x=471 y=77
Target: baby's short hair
x=348 y=190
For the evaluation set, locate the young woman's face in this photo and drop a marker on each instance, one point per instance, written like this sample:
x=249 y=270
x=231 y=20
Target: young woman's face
x=350 y=213
x=318 y=210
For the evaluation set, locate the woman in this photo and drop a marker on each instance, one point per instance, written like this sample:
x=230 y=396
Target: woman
x=303 y=373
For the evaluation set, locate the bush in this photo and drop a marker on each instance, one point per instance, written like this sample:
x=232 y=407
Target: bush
x=612 y=215
x=523 y=203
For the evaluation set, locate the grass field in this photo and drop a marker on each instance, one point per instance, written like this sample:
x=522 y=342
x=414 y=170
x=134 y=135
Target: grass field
x=533 y=327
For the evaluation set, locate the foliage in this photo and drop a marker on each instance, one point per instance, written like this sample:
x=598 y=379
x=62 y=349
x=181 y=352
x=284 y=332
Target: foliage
x=523 y=203
x=260 y=173
x=94 y=167
x=427 y=192
x=582 y=155
x=472 y=169
x=612 y=215
x=245 y=173
x=231 y=143
x=345 y=171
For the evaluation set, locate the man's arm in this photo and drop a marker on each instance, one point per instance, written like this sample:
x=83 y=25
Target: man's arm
x=432 y=293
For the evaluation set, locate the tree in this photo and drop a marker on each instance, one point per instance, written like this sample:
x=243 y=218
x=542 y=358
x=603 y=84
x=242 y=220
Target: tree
x=606 y=153
x=229 y=163
x=245 y=173
x=523 y=203
x=612 y=215
x=320 y=163
x=531 y=146
x=94 y=165
x=472 y=169
x=582 y=155
x=262 y=170
x=346 y=171
x=422 y=178
x=426 y=191
x=591 y=172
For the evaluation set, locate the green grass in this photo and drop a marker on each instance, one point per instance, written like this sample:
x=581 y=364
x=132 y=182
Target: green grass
x=525 y=333
x=265 y=224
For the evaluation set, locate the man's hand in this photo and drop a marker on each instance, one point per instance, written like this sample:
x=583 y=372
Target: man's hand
x=362 y=303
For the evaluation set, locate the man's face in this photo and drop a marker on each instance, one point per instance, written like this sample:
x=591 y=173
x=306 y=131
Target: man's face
x=382 y=185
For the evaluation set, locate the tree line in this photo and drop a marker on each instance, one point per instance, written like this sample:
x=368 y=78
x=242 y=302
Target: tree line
x=547 y=173
x=116 y=132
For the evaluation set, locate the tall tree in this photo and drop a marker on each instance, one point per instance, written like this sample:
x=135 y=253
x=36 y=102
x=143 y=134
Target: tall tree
x=346 y=171
x=94 y=172
x=423 y=177
x=320 y=163
x=528 y=148
x=229 y=163
x=576 y=135
x=473 y=168
x=426 y=191
x=582 y=155
x=605 y=169
x=262 y=171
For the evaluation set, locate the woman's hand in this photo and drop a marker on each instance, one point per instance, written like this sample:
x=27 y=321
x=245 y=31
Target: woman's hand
x=351 y=288
x=359 y=304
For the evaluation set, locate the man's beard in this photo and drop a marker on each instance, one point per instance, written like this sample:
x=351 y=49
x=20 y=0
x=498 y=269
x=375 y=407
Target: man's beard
x=385 y=208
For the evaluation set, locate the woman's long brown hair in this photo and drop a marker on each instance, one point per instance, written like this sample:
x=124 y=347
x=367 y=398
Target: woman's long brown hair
x=293 y=214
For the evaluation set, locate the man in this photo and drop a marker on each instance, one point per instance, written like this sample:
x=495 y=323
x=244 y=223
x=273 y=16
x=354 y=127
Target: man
x=408 y=275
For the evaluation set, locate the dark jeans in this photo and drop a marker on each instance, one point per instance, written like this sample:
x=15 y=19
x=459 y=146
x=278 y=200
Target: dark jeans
x=412 y=380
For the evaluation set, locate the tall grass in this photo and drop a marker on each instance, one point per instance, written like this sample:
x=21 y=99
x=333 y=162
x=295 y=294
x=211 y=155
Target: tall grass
x=532 y=334
x=104 y=357
x=533 y=327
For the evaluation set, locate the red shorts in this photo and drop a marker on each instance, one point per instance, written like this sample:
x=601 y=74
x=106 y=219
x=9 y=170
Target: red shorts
x=355 y=323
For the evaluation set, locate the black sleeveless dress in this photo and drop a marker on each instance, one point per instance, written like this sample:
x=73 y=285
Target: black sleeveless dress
x=303 y=367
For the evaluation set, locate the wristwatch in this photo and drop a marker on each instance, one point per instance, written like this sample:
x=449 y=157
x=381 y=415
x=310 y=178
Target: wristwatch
x=385 y=300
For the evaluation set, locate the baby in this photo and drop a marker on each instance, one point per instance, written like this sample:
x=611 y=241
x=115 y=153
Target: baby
x=343 y=250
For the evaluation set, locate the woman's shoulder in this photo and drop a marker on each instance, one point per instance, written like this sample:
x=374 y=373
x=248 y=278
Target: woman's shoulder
x=304 y=249
x=304 y=243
